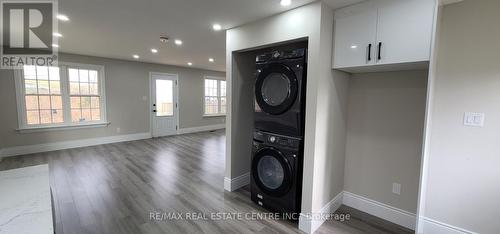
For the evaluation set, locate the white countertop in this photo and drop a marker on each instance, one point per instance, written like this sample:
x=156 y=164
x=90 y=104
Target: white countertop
x=25 y=202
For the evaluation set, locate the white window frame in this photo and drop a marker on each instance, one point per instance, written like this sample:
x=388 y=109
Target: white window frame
x=218 y=95
x=65 y=95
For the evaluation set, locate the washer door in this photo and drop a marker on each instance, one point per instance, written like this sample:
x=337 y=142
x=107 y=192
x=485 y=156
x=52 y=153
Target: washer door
x=271 y=172
x=276 y=89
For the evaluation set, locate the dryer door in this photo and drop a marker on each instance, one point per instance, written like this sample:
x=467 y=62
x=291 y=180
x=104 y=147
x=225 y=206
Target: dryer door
x=276 y=89
x=272 y=172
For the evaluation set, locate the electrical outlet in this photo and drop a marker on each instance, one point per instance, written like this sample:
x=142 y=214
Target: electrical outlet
x=474 y=119
x=396 y=188
x=118 y=130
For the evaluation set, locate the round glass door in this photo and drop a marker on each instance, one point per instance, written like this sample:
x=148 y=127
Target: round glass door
x=276 y=89
x=271 y=172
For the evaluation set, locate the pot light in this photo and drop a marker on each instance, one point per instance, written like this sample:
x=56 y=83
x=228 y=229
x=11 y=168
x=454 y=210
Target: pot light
x=56 y=34
x=285 y=2
x=190 y=64
x=217 y=27
x=211 y=60
x=135 y=56
x=178 y=42
x=62 y=17
x=55 y=45
x=154 y=51
x=354 y=46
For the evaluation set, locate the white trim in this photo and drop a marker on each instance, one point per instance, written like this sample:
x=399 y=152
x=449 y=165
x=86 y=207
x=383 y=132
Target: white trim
x=381 y=210
x=201 y=129
x=237 y=182
x=431 y=226
x=152 y=99
x=30 y=149
x=310 y=223
x=63 y=127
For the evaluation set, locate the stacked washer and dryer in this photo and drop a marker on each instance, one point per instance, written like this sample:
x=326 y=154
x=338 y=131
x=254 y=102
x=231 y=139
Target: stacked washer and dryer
x=278 y=140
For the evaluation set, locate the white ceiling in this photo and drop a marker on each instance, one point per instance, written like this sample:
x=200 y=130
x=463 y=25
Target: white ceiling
x=121 y=28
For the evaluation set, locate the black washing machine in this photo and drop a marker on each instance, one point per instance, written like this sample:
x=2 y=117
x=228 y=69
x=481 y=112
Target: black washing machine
x=280 y=92
x=276 y=173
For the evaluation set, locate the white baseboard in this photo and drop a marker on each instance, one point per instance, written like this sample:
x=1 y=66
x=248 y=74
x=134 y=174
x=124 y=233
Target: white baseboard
x=381 y=210
x=431 y=226
x=237 y=182
x=309 y=223
x=30 y=149
x=201 y=129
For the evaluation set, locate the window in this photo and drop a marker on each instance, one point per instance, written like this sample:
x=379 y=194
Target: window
x=68 y=95
x=215 y=96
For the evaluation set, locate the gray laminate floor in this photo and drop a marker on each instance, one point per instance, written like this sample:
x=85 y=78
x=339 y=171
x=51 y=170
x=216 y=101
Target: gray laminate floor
x=116 y=188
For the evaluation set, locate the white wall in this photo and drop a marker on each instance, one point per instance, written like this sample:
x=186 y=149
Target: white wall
x=462 y=186
x=325 y=104
x=126 y=83
x=384 y=136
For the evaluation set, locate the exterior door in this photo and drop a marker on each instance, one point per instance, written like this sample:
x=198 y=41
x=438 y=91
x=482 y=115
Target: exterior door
x=164 y=109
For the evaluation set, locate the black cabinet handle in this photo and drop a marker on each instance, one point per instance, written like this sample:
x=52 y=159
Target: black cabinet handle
x=369 y=52
x=379 y=50
x=154 y=110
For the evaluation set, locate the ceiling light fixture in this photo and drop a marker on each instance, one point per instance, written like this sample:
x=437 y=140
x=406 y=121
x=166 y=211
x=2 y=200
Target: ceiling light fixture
x=211 y=60
x=190 y=64
x=285 y=2
x=56 y=34
x=55 y=45
x=163 y=39
x=178 y=42
x=154 y=51
x=135 y=56
x=62 y=17
x=217 y=27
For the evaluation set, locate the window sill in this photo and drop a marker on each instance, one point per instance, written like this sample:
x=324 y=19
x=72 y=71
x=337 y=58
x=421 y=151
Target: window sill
x=62 y=127
x=217 y=115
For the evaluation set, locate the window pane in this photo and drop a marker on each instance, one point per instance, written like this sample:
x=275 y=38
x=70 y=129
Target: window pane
x=32 y=117
x=223 y=105
x=53 y=73
x=73 y=75
x=96 y=114
x=30 y=87
x=75 y=102
x=84 y=88
x=55 y=87
x=223 y=88
x=45 y=117
x=56 y=102
x=74 y=88
x=44 y=102
x=85 y=102
x=42 y=73
x=95 y=102
x=164 y=98
x=92 y=76
x=43 y=86
x=31 y=102
x=76 y=114
x=94 y=89
x=57 y=116
x=29 y=71
x=86 y=116
x=84 y=75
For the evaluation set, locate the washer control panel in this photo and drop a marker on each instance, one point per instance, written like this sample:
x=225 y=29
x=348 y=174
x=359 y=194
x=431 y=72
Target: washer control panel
x=276 y=140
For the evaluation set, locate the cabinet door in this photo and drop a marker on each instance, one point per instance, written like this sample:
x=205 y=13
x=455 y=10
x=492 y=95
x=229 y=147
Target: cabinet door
x=404 y=30
x=355 y=29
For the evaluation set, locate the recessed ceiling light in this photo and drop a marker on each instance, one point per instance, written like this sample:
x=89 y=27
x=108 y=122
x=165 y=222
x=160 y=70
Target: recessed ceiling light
x=217 y=27
x=56 y=34
x=211 y=60
x=178 y=42
x=135 y=56
x=55 y=45
x=190 y=64
x=286 y=2
x=354 y=46
x=154 y=51
x=62 y=17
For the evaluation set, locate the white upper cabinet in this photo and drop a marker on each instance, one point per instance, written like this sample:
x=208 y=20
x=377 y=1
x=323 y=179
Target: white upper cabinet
x=383 y=32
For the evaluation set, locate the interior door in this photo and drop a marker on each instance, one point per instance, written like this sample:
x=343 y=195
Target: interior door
x=405 y=30
x=164 y=108
x=355 y=34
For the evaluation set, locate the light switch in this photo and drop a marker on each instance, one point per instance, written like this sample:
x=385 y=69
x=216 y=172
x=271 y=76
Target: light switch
x=396 y=188
x=474 y=119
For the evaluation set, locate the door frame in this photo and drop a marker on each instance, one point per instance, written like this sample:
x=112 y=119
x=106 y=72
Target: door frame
x=176 y=110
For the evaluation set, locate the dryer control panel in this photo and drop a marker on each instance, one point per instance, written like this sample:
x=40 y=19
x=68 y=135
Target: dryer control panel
x=276 y=140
